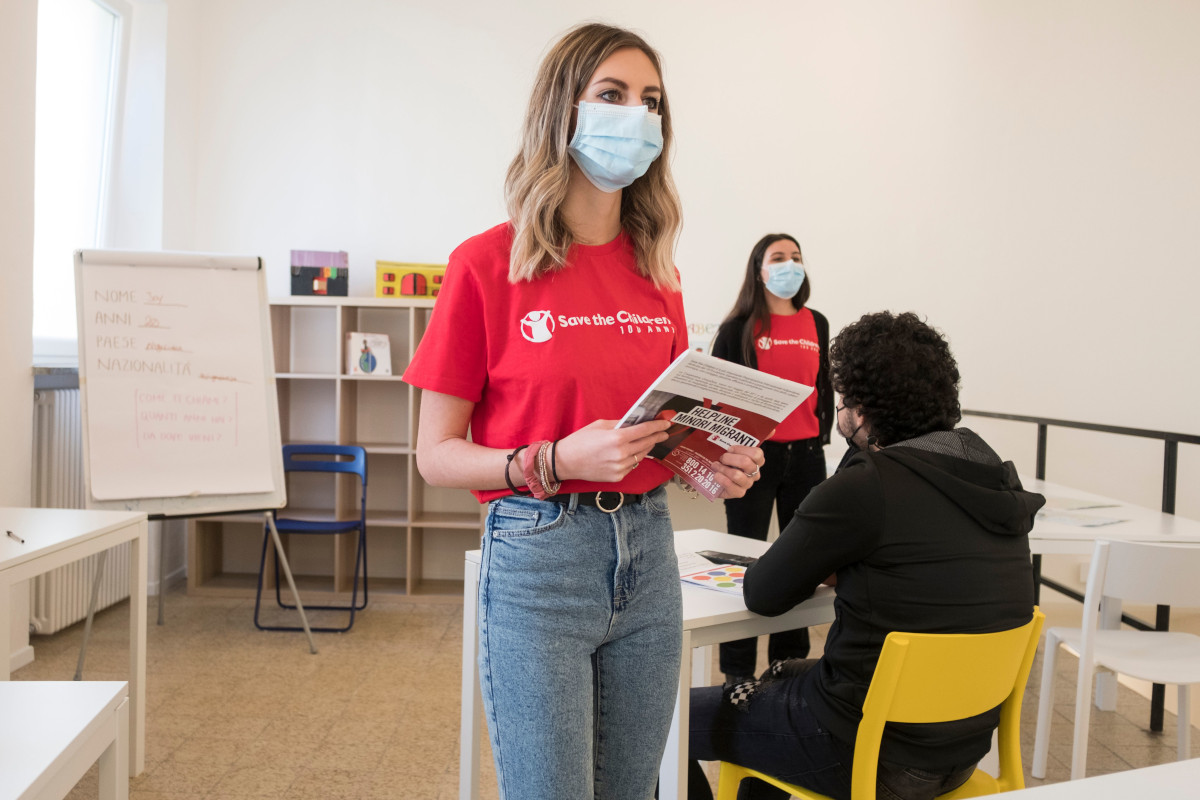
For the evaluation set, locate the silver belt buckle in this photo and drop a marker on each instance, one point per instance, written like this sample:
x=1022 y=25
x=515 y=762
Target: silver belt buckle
x=614 y=509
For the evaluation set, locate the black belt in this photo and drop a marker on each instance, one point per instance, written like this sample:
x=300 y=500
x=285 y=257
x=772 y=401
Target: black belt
x=605 y=501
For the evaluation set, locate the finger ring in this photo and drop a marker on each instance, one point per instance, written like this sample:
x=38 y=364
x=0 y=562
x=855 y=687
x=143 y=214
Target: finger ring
x=752 y=474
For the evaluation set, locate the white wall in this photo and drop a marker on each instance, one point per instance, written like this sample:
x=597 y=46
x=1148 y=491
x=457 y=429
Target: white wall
x=135 y=214
x=179 y=126
x=18 y=61
x=1021 y=172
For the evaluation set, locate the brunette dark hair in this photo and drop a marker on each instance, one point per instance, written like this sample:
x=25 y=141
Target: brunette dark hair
x=898 y=372
x=751 y=301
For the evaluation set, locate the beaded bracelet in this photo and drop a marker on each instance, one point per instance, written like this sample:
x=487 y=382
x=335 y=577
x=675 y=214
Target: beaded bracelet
x=550 y=485
x=507 y=479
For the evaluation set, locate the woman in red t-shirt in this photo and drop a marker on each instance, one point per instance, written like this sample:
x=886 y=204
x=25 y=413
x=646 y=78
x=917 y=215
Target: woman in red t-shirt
x=547 y=329
x=771 y=328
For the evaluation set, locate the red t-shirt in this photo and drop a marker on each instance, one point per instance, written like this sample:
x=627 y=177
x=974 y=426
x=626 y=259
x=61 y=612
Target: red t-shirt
x=541 y=359
x=791 y=351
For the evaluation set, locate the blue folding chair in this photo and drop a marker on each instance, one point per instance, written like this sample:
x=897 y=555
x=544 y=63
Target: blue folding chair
x=321 y=458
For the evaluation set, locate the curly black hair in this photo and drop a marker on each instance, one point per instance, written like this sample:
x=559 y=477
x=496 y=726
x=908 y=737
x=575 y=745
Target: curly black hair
x=898 y=372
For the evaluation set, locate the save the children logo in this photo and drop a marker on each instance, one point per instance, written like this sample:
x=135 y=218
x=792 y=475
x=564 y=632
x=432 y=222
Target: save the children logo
x=537 y=326
x=766 y=343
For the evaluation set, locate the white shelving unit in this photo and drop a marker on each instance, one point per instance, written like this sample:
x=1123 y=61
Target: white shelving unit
x=416 y=533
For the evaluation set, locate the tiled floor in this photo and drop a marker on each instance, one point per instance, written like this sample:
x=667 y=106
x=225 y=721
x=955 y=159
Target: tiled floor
x=237 y=713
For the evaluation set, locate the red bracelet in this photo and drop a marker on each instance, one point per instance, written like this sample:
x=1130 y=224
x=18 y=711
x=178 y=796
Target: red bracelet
x=529 y=470
x=535 y=470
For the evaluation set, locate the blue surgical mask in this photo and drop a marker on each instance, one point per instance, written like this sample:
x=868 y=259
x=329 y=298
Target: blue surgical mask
x=615 y=145
x=785 y=278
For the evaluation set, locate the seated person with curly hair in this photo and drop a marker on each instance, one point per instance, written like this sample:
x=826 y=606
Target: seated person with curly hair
x=923 y=529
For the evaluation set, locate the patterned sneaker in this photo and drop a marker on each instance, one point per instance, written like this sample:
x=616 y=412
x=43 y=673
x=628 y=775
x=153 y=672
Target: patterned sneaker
x=739 y=689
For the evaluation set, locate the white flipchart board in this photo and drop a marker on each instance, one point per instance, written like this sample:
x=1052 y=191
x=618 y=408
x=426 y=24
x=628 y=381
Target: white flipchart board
x=177 y=379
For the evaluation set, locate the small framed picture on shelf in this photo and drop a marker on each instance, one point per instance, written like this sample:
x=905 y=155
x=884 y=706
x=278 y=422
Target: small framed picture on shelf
x=368 y=354
x=320 y=272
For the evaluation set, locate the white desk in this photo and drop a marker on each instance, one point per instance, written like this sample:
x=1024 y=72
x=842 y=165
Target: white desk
x=1175 y=781
x=57 y=536
x=1140 y=524
x=52 y=732
x=709 y=617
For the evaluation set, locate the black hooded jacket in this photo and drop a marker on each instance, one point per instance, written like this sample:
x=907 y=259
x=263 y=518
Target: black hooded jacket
x=925 y=536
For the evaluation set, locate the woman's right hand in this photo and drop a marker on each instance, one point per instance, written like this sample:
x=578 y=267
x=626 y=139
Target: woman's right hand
x=602 y=453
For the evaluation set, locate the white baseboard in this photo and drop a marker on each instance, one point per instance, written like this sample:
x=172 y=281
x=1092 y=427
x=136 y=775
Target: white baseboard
x=178 y=576
x=20 y=658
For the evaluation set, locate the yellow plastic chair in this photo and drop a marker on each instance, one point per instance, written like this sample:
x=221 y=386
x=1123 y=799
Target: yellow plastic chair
x=934 y=677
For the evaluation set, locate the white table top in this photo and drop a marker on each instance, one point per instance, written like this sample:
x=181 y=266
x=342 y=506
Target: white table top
x=1175 y=781
x=707 y=607
x=41 y=720
x=47 y=530
x=1138 y=523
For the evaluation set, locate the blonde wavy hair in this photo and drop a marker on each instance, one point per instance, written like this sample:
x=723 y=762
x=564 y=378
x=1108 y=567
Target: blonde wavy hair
x=536 y=184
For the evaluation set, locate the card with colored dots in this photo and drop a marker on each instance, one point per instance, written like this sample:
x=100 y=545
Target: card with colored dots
x=721 y=577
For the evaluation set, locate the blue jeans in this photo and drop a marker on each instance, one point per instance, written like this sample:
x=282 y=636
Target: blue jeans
x=579 y=642
x=776 y=733
x=789 y=472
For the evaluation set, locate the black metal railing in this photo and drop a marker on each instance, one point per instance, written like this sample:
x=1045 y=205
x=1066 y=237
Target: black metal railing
x=1171 y=442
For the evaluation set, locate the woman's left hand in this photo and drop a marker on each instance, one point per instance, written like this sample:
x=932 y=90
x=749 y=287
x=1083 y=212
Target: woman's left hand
x=739 y=469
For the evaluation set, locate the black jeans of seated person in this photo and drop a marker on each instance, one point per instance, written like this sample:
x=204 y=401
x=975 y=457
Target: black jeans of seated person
x=774 y=731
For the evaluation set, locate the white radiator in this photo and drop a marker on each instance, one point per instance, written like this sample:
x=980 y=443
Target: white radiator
x=60 y=597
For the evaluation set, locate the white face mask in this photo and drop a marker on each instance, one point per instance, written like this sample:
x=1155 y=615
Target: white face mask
x=615 y=145
x=784 y=278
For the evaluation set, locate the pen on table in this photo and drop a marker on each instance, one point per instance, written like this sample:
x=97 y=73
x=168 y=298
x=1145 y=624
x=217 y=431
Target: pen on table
x=14 y=537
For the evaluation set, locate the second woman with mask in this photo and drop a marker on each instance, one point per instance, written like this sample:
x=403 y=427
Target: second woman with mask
x=771 y=328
